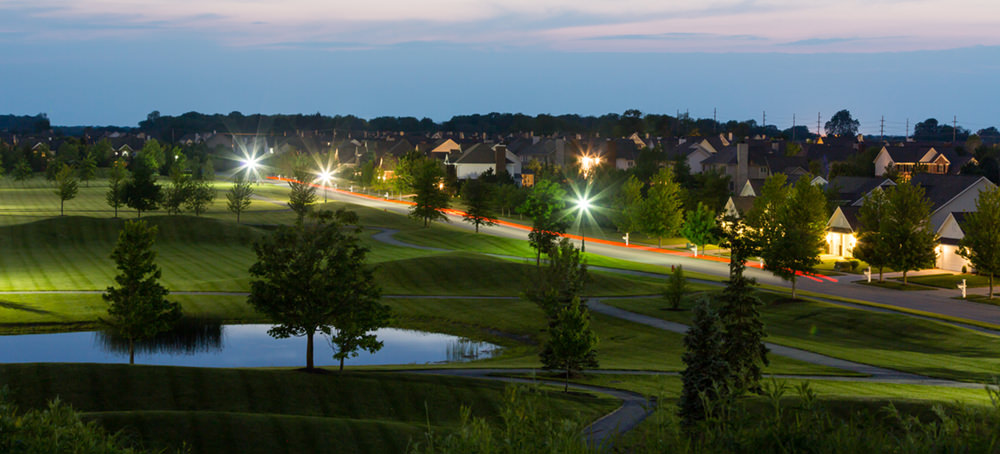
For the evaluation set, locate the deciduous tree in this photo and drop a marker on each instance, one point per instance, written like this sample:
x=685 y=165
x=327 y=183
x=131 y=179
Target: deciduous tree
x=200 y=196
x=303 y=194
x=141 y=191
x=430 y=196
x=981 y=244
x=662 y=213
x=66 y=185
x=908 y=229
x=561 y=279
x=117 y=179
x=791 y=244
x=544 y=205
x=138 y=306
x=627 y=205
x=239 y=196
x=700 y=226
x=478 y=196
x=841 y=124
x=676 y=286
x=178 y=191
x=873 y=244
x=313 y=278
x=88 y=168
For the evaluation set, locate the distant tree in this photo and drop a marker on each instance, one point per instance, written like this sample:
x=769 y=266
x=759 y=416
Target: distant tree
x=117 y=179
x=972 y=144
x=700 y=226
x=743 y=338
x=430 y=196
x=478 y=196
x=88 y=168
x=138 y=306
x=153 y=155
x=200 y=196
x=66 y=186
x=627 y=205
x=544 y=206
x=873 y=243
x=763 y=218
x=676 y=286
x=791 y=244
x=981 y=244
x=311 y=276
x=908 y=230
x=22 y=170
x=705 y=373
x=662 y=212
x=178 y=191
x=571 y=343
x=303 y=194
x=102 y=151
x=239 y=196
x=141 y=191
x=562 y=278
x=841 y=124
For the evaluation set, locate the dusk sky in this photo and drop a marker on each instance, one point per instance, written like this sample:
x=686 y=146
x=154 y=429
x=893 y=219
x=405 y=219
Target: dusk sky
x=100 y=62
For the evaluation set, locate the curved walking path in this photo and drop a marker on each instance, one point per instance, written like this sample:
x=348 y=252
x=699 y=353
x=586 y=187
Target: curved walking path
x=634 y=409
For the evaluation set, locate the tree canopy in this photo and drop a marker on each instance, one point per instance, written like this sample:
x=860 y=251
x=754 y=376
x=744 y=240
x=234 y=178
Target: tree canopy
x=841 y=124
x=981 y=244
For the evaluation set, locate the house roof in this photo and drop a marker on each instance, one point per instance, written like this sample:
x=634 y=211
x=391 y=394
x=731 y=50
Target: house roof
x=941 y=189
x=479 y=153
x=854 y=188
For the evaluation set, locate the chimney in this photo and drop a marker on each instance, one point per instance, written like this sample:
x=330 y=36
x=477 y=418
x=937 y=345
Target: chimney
x=500 y=158
x=742 y=165
x=560 y=152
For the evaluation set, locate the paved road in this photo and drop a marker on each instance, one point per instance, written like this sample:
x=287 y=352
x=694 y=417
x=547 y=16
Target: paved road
x=932 y=301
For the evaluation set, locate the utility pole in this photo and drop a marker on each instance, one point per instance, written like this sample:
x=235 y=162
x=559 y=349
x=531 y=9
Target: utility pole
x=907 y=130
x=881 y=130
x=763 y=123
x=954 y=127
x=793 y=127
x=818 y=134
x=715 y=121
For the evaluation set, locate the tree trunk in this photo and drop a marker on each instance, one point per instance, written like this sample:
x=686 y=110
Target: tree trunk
x=477 y=227
x=61 y=203
x=566 y=382
x=880 y=275
x=659 y=243
x=793 y=286
x=237 y=217
x=116 y=212
x=309 y=351
x=341 y=363
x=904 y=277
x=131 y=351
x=991 y=285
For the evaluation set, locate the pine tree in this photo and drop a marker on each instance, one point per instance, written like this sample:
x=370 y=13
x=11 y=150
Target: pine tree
x=302 y=193
x=571 y=343
x=138 y=306
x=706 y=372
x=744 y=348
x=676 y=286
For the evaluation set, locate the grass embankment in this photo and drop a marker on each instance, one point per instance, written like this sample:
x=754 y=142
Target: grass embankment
x=951 y=281
x=269 y=411
x=888 y=340
x=519 y=326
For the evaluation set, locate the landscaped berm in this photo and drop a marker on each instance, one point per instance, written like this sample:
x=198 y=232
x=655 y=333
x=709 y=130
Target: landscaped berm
x=447 y=279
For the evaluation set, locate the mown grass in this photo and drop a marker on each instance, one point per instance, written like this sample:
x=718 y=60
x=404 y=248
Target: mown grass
x=951 y=281
x=519 y=325
x=896 y=285
x=269 y=411
x=888 y=340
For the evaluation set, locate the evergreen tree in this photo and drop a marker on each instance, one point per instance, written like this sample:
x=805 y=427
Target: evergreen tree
x=908 y=229
x=744 y=348
x=239 y=196
x=478 y=195
x=705 y=375
x=676 y=286
x=571 y=343
x=700 y=226
x=563 y=278
x=66 y=186
x=873 y=246
x=138 y=306
x=981 y=244
x=662 y=211
x=116 y=185
x=141 y=191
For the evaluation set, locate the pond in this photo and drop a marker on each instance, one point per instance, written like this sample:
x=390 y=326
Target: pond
x=214 y=345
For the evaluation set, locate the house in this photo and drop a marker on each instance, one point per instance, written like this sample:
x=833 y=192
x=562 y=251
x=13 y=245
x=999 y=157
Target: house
x=841 y=233
x=736 y=206
x=907 y=159
x=852 y=190
x=950 y=193
x=446 y=150
x=481 y=157
x=950 y=234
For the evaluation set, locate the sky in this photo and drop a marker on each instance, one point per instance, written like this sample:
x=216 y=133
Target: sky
x=111 y=62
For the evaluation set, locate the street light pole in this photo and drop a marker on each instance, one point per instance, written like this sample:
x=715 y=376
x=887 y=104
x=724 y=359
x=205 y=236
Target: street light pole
x=583 y=204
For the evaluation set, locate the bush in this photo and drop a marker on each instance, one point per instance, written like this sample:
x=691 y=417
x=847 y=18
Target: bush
x=855 y=264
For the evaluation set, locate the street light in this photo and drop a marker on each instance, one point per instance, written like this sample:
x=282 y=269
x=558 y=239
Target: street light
x=324 y=177
x=583 y=205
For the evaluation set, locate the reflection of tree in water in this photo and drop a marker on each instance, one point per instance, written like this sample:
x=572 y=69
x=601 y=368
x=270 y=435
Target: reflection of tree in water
x=189 y=336
x=468 y=350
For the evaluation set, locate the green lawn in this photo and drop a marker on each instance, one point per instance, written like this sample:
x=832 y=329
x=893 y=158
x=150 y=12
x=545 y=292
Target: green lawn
x=951 y=281
x=270 y=411
x=895 y=285
x=883 y=339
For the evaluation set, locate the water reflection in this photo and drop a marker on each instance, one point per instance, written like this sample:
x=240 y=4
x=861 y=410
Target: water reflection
x=189 y=336
x=213 y=345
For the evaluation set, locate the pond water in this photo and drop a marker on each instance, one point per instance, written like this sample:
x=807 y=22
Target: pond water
x=208 y=345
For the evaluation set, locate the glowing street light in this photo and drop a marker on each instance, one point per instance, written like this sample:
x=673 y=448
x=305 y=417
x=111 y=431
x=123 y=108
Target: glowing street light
x=324 y=177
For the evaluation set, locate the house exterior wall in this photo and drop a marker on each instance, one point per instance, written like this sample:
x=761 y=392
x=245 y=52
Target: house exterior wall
x=965 y=202
x=881 y=162
x=694 y=161
x=948 y=259
x=471 y=171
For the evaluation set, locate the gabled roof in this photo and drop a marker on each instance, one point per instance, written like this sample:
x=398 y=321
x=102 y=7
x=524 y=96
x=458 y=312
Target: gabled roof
x=480 y=153
x=854 y=188
x=941 y=189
